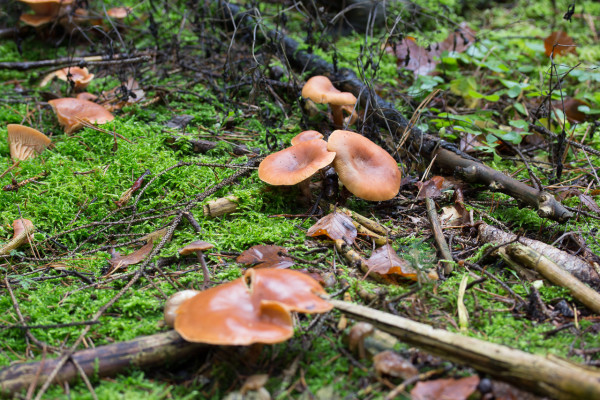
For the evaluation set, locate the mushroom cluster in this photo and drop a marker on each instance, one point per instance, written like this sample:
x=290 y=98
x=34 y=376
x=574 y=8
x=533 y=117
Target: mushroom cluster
x=364 y=168
x=252 y=309
x=44 y=11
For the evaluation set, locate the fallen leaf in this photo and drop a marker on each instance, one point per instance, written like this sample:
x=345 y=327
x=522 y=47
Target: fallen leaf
x=265 y=256
x=459 y=40
x=136 y=257
x=393 y=364
x=570 y=108
x=431 y=188
x=335 y=226
x=559 y=43
x=385 y=262
x=589 y=202
x=446 y=389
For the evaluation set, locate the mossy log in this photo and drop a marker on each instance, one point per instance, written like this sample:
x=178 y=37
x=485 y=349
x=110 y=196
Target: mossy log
x=145 y=351
x=547 y=375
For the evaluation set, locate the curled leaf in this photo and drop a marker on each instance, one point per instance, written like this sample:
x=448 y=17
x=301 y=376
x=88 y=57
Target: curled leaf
x=335 y=226
x=266 y=256
x=134 y=258
x=385 y=262
x=559 y=43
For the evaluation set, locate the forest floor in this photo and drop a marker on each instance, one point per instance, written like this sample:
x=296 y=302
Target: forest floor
x=177 y=73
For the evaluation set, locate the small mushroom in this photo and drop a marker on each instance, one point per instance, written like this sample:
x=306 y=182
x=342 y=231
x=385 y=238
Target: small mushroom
x=71 y=112
x=25 y=142
x=320 y=90
x=365 y=169
x=118 y=12
x=296 y=164
x=174 y=302
x=44 y=11
x=198 y=247
x=23 y=228
x=80 y=77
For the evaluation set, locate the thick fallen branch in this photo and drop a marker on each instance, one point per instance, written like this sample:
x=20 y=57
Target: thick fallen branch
x=446 y=155
x=145 y=351
x=550 y=270
x=547 y=375
x=574 y=265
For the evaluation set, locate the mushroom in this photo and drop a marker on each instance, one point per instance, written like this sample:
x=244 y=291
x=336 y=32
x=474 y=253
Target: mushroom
x=44 y=11
x=306 y=136
x=320 y=90
x=25 y=142
x=252 y=309
x=198 y=247
x=173 y=304
x=296 y=164
x=365 y=169
x=71 y=112
x=80 y=77
x=118 y=12
x=23 y=228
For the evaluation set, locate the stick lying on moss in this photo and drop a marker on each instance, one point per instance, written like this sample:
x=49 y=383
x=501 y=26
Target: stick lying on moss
x=548 y=375
x=446 y=155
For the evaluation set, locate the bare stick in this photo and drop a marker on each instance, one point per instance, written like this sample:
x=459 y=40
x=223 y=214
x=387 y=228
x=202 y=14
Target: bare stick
x=438 y=235
x=550 y=270
x=75 y=61
x=549 y=375
x=102 y=361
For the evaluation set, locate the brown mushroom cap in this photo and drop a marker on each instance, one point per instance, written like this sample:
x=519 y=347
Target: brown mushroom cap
x=320 y=90
x=306 y=136
x=81 y=77
x=70 y=111
x=36 y=20
x=228 y=315
x=25 y=142
x=295 y=164
x=198 y=245
x=46 y=7
x=365 y=169
x=118 y=12
x=86 y=96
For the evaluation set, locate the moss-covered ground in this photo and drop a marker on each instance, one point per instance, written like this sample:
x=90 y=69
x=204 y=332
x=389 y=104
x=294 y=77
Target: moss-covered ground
x=238 y=94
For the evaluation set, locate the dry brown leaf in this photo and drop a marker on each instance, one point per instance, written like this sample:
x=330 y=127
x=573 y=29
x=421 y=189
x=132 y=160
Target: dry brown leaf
x=571 y=109
x=559 y=43
x=393 y=364
x=459 y=40
x=335 y=226
x=265 y=256
x=385 y=262
x=431 y=188
x=136 y=257
x=447 y=389
x=589 y=202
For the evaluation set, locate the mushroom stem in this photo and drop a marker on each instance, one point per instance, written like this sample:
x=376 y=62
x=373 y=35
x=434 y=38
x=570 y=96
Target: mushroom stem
x=23 y=230
x=204 y=269
x=338 y=115
x=304 y=187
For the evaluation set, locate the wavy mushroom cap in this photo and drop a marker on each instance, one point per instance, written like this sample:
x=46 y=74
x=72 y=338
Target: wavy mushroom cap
x=36 y=20
x=320 y=90
x=71 y=112
x=306 y=136
x=81 y=77
x=25 y=142
x=46 y=7
x=365 y=169
x=295 y=164
x=229 y=315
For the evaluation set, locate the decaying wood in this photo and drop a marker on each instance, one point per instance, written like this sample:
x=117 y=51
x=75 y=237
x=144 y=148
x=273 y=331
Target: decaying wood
x=371 y=225
x=145 y=351
x=547 y=375
x=550 y=270
x=221 y=206
x=577 y=267
x=438 y=235
x=76 y=62
x=446 y=156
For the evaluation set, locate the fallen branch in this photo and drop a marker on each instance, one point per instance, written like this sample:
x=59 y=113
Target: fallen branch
x=438 y=235
x=577 y=267
x=547 y=375
x=145 y=351
x=446 y=155
x=550 y=270
x=75 y=62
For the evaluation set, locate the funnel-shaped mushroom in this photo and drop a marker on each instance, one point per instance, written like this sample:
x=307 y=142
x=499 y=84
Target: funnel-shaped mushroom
x=252 y=309
x=365 y=169
x=80 y=77
x=320 y=90
x=71 y=112
x=25 y=142
x=45 y=11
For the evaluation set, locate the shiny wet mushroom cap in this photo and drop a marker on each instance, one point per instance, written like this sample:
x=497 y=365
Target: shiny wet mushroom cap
x=295 y=164
x=25 y=142
x=365 y=169
x=46 y=7
x=71 y=112
x=306 y=136
x=80 y=77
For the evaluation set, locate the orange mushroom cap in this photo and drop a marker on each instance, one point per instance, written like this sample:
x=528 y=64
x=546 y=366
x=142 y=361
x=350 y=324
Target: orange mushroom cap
x=320 y=90
x=198 y=245
x=81 y=77
x=118 y=12
x=71 y=111
x=36 y=20
x=46 y=7
x=25 y=142
x=306 y=136
x=365 y=169
x=295 y=164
